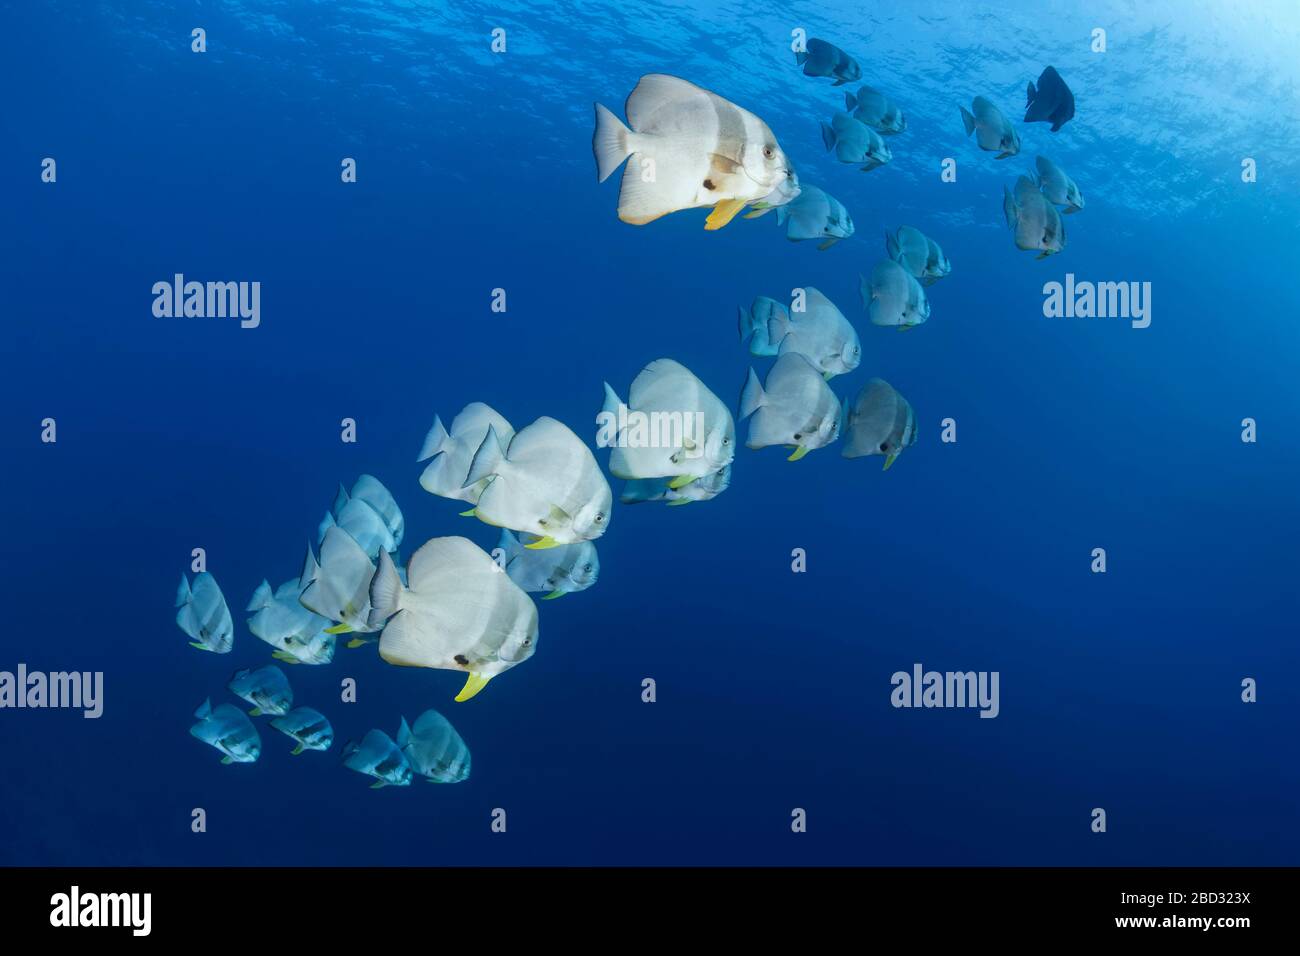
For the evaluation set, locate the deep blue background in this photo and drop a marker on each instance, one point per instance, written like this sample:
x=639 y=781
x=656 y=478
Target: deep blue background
x=1119 y=691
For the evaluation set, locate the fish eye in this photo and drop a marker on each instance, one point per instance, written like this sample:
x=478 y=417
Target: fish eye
x=600 y=516
x=726 y=441
x=768 y=152
x=587 y=568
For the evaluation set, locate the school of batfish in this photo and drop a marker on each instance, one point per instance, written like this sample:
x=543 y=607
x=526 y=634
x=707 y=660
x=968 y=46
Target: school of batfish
x=453 y=606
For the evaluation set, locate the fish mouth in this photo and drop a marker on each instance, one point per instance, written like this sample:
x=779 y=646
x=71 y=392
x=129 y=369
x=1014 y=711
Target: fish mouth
x=777 y=182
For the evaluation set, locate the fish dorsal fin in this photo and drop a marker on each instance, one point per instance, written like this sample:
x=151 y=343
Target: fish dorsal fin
x=262 y=597
x=183 y=593
x=446 y=560
x=434 y=440
x=654 y=92
x=403 y=734
x=310 y=571
x=752 y=397
x=488 y=459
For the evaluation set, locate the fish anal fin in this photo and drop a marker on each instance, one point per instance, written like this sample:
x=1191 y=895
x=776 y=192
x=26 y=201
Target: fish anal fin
x=473 y=684
x=723 y=213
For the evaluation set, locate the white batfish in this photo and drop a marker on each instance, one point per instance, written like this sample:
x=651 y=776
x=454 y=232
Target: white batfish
x=297 y=634
x=876 y=110
x=545 y=481
x=918 y=254
x=879 y=422
x=203 y=614
x=228 y=729
x=1057 y=186
x=310 y=729
x=675 y=427
x=378 y=756
x=433 y=748
x=371 y=490
x=369 y=514
x=656 y=489
x=993 y=131
x=460 y=613
x=554 y=572
x=1037 y=224
x=794 y=407
x=266 y=688
x=689 y=149
x=814 y=214
x=855 y=142
x=453 y=452
x=820 y=332
x=338 y=587
x=892 y=296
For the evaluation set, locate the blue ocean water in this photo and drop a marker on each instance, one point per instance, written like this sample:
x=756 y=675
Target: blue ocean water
x=1118 y=690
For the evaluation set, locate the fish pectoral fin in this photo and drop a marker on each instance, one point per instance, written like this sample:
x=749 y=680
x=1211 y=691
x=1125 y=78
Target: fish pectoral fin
x=723 y=164
x=473 y=512
x=553 y=595
x=542 y=543
x=377 y=784
x=473 y=684
x=680 y=501
x=255 y=712
x=825 y=245
x=681 y=481
x=356 y=642
x=889 y=461
x=723 y=213
x=339 y=629
x=227 y=761
x=799 y=452
x=827 y=376
x=297 y=750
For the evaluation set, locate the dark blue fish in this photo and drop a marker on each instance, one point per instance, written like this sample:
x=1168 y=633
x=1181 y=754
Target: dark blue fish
x=1051 y=103
x=826 y=59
